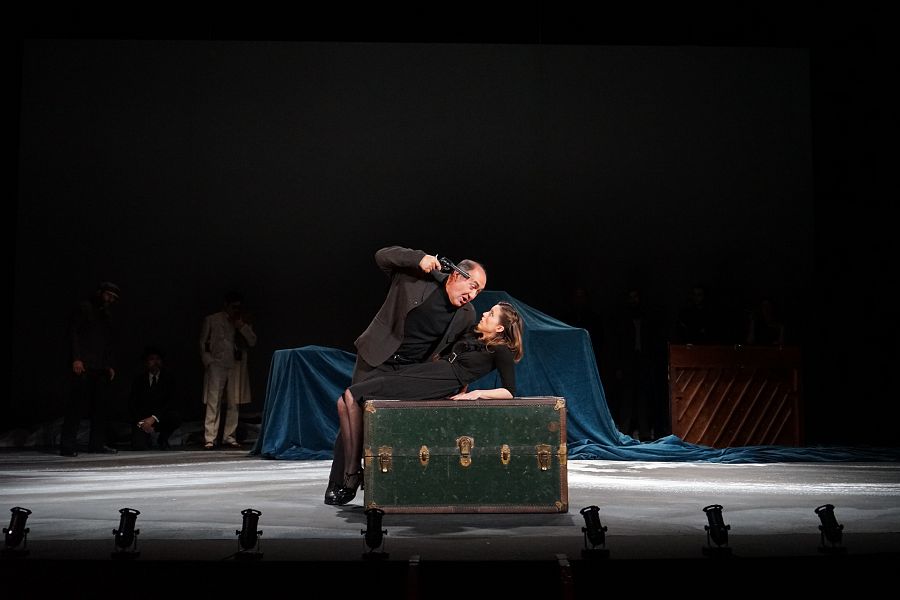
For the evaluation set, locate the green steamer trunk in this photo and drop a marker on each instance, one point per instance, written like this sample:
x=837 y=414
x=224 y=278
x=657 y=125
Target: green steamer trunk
x=466 y=456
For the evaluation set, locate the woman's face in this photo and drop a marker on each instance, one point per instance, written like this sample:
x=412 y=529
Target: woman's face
x=490 y=321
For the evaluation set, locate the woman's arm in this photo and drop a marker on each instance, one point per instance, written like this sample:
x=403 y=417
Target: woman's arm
x=503 y=362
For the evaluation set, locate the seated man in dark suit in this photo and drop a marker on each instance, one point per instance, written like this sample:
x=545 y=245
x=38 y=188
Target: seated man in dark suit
x=153 y=403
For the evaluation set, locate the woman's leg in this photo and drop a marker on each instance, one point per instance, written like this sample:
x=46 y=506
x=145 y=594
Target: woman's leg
x=350 y=480
x=346 y=432
x=355 y=437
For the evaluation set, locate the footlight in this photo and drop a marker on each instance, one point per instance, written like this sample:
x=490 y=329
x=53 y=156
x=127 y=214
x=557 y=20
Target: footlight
x=830 y=530
x=126 y=535
x=374 y=534
x=716 y=531
x=16 y=534
x=248 y=535
x=594 y=534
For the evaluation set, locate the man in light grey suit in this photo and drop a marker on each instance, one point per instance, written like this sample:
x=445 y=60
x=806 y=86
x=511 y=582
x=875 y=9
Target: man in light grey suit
x=224 y=341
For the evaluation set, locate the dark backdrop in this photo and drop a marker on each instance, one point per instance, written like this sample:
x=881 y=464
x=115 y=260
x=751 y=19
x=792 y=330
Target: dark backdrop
x=181 y=166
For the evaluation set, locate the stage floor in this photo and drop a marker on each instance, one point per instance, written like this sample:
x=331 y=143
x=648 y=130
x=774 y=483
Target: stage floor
x=190 y=504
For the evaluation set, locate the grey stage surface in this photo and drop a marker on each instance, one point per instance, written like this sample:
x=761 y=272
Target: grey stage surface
x=190 y=504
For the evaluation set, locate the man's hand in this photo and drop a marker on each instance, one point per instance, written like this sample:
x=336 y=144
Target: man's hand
x=429 y=263
x=146 y=424
x=112 y=373
x=77 y=367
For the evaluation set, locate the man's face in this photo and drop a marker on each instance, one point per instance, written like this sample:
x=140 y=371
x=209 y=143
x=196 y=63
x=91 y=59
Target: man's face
x=460 y=290
x=108 y=297
x=634 y=298
x=233 y=309
x=697 y=296
x=153 y=362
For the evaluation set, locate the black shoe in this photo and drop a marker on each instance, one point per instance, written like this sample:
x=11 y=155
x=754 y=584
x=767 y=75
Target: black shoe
x=163 y=445
x=343 y=495
x=347 y=492
x=331 y=493
x=67 y=452
x=103 y=450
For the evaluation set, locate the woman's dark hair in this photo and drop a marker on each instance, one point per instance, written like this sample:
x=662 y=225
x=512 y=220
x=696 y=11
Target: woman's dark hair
x=511 y=336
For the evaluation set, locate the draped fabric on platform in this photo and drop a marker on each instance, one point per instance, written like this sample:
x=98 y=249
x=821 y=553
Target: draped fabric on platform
x=300 y=417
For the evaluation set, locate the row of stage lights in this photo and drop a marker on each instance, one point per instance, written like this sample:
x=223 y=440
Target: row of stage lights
x=125 y=535
x=716 y=532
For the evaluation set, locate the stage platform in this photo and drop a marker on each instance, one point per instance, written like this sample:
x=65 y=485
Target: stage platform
x=190 y=504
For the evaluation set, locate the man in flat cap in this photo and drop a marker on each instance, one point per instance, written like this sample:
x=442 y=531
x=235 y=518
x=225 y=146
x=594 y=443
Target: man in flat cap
x=111 y=288
x=91 y=344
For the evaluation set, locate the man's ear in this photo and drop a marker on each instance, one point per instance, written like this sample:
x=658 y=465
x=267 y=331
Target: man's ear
x=500 y=328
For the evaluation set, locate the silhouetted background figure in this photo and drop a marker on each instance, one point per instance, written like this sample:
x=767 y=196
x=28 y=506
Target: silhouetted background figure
x=91 y=339
x=638 y=359
x=764 y=327
x=698 y=321
x=225 y=340
x=153 y=403
x=580 y=313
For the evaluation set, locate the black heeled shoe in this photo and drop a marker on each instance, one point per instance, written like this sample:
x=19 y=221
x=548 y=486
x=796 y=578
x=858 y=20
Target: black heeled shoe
x=331 y=493
x=347 y=492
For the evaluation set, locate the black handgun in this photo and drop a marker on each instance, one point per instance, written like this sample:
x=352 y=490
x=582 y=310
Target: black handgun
x=448 y=266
